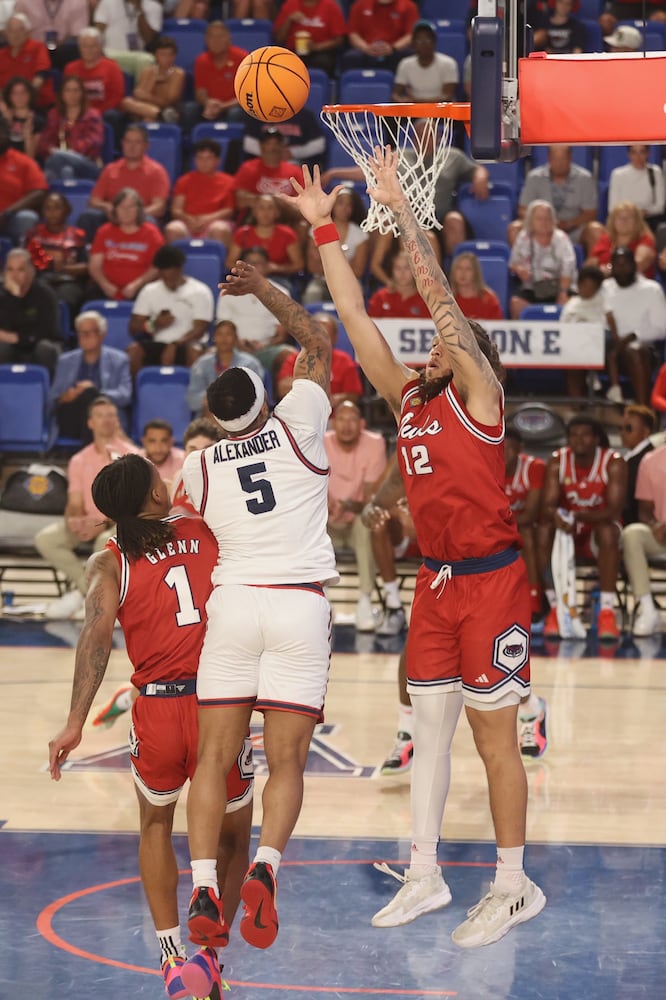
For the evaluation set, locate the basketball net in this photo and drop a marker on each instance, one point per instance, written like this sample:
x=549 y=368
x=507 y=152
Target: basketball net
x=422 y=144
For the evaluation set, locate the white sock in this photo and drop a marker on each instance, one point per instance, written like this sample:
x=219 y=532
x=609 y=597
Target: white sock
x=270 y=857
x=551 y=597
x=204 y=875
x=607 y=600
x=529 y=709
x=646 y=602
x=509 y=874
x=124 y=699
x=423 y=856
x=405 y=722
x=170 y=943
x=392 y=595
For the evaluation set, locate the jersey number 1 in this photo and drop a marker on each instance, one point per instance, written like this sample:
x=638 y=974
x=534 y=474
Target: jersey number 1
x=178 y=580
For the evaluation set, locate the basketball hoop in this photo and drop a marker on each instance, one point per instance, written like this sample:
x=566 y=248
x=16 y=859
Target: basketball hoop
x=420 y=133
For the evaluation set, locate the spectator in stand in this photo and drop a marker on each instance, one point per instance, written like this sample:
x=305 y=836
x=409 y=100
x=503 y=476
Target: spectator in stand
x=71 y=143
x=304 y=137
x=523 y=482
x=285 y=254
x=22 y=187
x=129 y=28
x=401 y=300
x=158 y=447
x=625 y=227
x=83 y=523
x=428 y=76
x=254 y=8
x=348 y=214
x=638 y=424
x=101 y=76
x=646 y=537
x=357 y=461
x=199 y=9
x=159 y=88
x=380 y=33
x=58 y=251
x=640 y=183
x=25 y=123
x=56 y=25
x=214 y=72
x=542 y=259
x=384 y=248
x=261 y=334
x=121 y=255
x=636 y=317
x=586 y=307
x=475 y=299
x=6 y=11
x=269 y=173
x=198 y=434
x=133 y=170
x=171 y=315
x=83 y=374
x=570 y=189
x=314 y=29
x=345 y=374
x=26 y=57
x=224 y=354
x=658 y=394
x=29 y=323
x=203 y=199
x=629 y=10
x=556 y=31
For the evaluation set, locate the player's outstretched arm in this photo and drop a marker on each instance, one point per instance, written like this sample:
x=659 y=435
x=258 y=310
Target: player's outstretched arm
x=314 y=361
x=473 y=375
x=92 y=654
x=373 y=353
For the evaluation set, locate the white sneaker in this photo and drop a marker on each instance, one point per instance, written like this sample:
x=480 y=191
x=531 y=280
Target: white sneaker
x=647 y=620
x=366 y=618
x=614 y=394
x=497 y=913
x=393 y=622
x=417 y=896
x=66 y=606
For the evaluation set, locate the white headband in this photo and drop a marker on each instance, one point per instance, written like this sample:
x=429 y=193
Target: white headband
x=240 y=423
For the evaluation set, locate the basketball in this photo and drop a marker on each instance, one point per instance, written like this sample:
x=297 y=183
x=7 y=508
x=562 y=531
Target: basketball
x=272 y=84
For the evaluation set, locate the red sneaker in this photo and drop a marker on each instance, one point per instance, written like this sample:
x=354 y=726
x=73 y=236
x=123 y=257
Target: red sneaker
x=551 y=629
x=607 y=629
x=205 y=920
x=201 y=973
x=259 y=926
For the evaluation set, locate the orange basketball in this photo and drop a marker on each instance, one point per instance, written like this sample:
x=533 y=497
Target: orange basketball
x=272 y=84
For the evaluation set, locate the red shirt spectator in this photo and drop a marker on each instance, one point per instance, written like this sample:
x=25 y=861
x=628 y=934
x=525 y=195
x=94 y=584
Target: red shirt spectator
x=104 y=82
x=385 y=304
x=258 y=178
x=127 y=256
x=345 y=376
x=205 y=192
x=276 y=246
x=382 y=22
x=19 y=176
x=218 y=80
x=150 y=180
x=26 y=58
x=322 y=20
x=45 y=246
x=484 y=306
x=603 y=249
x=84 y=136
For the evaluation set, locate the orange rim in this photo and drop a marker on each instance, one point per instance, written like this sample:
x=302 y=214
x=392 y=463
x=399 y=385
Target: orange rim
x=460 y=111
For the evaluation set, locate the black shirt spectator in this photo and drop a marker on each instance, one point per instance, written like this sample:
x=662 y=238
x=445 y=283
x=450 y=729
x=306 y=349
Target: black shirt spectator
x=29 y=322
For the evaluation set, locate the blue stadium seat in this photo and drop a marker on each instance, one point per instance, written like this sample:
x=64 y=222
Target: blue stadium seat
x=489 y=248
x=489 y=219
x=23 y=421
x=5 y=246
x=652 y=28
x=365 y=86
x=64 y=319
x=582 y=155
x=117 y=315
x=320 y=90
x=159 y=392
x=494 y=267
x=602 y=207
x=452 y=41
x=595 y=42
x=109 y=144
x=165 y=144
x=205 y=260
x=77 y=193
x=250 y=33
x=222 y=132
x=431 y=10
x=611 y=157
x=589 y=9
x=542 y=312
x=343 y=342
x=189 y=36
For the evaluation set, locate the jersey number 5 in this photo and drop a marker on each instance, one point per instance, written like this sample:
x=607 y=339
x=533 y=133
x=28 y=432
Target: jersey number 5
x=250 y=484
x=178 y=580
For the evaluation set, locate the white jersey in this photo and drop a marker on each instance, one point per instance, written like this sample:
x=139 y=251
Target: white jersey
x=264 y=495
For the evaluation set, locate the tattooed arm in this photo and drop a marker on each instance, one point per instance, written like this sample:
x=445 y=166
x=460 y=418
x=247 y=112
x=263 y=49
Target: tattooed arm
x=314 y=361
x=92 y=653
x=472 y=373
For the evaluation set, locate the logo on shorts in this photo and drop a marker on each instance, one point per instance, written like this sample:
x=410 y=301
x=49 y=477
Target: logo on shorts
x=511 y=650
x=133 y=741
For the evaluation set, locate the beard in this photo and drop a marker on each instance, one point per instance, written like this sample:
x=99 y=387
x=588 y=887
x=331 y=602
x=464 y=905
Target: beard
x=432 y=387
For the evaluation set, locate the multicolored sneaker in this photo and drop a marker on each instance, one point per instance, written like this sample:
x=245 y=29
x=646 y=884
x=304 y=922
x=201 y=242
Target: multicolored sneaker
x=120 y=703
x=533 y=737
x=205 y=920
x=174 y=986
x=400 y=758
x=259 y=926
x=201 y=974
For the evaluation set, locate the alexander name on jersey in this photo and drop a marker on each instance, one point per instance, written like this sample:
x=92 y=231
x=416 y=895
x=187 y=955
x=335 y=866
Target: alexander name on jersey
x=179 y=547
x=229 y=451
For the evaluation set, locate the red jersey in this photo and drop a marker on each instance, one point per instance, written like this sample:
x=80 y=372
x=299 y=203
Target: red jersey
x=380 y=22
x=104 y=82
x=254 y=176
x=391 y=305
x=275 y=245
x=323 y=20
x=529 y=475
x=163 y=598
x=218 y=81
x=126 y=255
x=453 y=471
x=584 y=488
x=205 y=193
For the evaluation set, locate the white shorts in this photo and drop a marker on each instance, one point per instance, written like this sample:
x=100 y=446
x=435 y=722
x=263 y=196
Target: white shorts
x=269 y=647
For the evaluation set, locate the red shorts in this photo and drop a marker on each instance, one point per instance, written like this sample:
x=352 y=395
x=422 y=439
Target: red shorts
x=474 y=636
x=163 y=751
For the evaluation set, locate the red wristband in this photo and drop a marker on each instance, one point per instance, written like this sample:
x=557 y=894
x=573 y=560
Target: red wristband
x=325 y=234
